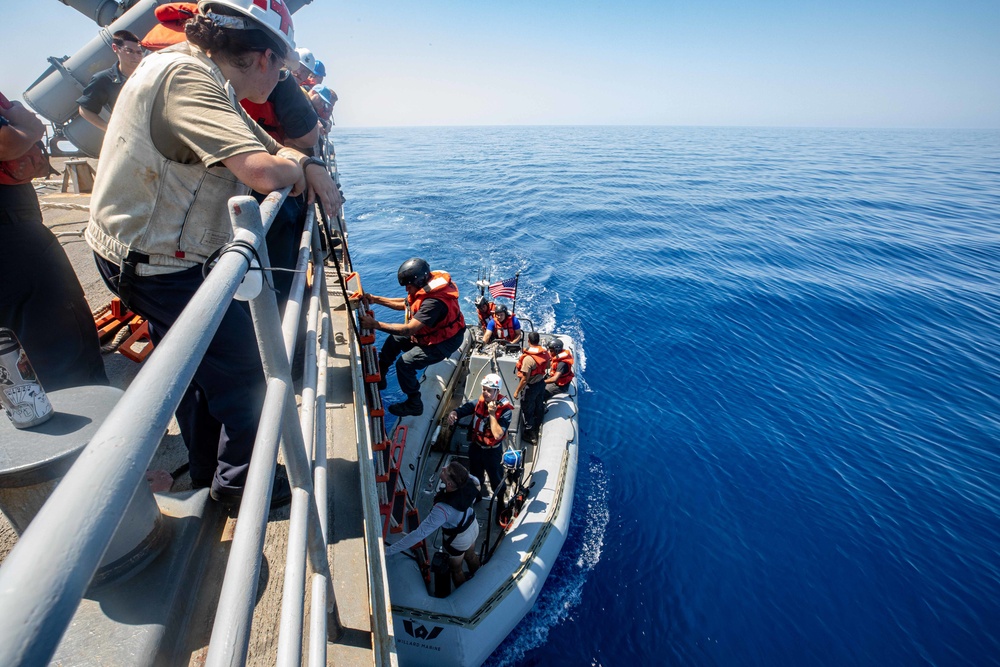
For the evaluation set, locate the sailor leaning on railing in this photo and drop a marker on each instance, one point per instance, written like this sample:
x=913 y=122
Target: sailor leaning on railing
x=178 y=146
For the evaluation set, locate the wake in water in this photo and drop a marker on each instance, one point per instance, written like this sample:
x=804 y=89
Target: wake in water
x=563 y=590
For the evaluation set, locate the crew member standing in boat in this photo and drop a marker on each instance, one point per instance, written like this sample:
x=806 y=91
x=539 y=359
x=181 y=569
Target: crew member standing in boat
x=503 y=326
x=454 y=515
x=560 y=369
x=177 y=148
x=532 y=368
x=433 y=330
x=492 y=415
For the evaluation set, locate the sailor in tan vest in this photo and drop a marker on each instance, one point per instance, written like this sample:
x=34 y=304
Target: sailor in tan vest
x=177 y=148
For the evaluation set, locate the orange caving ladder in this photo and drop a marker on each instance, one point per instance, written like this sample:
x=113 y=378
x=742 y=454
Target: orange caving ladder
x=395 y=504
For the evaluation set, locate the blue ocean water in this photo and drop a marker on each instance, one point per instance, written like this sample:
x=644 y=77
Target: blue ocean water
x=791 y=411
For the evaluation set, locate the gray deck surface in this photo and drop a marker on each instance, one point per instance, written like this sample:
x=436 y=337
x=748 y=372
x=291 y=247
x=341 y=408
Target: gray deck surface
x=346 y=540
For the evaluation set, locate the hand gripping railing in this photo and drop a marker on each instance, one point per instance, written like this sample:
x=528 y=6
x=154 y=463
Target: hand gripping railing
x=46 y=574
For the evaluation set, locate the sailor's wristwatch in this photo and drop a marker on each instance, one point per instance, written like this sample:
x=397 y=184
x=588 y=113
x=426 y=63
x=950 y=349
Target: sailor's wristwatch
x=312 y=160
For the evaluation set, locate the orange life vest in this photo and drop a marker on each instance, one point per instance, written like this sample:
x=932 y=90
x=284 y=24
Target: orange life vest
x=266 y=117
x=20 y=170
x=172 y=18
x=504 y=330
x=541 y=357
x=482 y=434
x=565 y=357
x=439 y=287
x=483 y=319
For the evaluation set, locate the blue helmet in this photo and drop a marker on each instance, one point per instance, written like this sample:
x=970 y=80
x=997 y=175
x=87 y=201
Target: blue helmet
x=319 y=69
x=328 y=95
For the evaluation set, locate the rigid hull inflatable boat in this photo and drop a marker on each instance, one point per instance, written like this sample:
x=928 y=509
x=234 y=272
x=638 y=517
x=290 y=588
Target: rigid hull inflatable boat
x=435 y=625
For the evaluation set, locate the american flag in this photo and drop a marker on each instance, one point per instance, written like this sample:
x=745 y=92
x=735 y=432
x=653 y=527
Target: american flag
x=505 y=288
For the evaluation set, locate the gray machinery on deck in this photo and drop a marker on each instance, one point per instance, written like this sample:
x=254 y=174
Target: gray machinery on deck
x=54 y=93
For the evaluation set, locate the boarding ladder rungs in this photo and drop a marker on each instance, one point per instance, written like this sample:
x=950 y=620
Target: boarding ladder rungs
x=396 y=507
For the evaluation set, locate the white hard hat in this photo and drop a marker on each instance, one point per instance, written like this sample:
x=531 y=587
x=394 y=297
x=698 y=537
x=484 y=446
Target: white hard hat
x=491 y=381
x=307 y=59
x=273 y=17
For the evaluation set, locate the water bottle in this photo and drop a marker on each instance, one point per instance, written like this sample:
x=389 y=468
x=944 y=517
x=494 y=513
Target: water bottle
x=21 y=393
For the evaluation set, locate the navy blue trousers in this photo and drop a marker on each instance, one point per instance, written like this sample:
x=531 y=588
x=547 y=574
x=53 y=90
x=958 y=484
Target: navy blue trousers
x=283 y=243
x=489 y=461
x=413 y=357
x=533 y=405
x=41 y=298
x=219 y=412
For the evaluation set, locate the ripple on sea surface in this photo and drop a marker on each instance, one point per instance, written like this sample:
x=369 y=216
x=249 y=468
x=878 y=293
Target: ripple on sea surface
x=791 y=351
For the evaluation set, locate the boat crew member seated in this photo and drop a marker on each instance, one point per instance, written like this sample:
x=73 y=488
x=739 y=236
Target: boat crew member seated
x=454 y=514
x=484 y=308
x=102 y=91
x=491 y=419
x=532 y=367
x=433 y=330
x=560 y=369
x=503 y=326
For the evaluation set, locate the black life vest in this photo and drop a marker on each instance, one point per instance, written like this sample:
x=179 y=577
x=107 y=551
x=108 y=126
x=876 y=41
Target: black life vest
x=461 y=499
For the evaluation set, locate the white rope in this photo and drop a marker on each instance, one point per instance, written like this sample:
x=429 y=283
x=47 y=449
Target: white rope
x=64 y=207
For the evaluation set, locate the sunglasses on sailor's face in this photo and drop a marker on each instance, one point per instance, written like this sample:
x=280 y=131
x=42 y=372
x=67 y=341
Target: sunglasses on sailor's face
x=129 y=50
x=283 y=74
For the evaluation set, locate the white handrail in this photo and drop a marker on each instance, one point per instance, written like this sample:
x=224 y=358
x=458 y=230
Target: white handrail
x=46 y=574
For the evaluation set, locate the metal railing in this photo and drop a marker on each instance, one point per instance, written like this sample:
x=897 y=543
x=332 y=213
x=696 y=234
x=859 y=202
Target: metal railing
x=47 y=573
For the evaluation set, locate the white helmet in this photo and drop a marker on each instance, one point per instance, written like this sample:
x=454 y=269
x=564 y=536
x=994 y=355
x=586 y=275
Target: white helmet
x=491 y=381
x=307 y=59
x=271 y=15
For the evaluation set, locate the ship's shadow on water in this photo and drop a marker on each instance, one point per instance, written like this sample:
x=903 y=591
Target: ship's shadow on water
x=563 y=590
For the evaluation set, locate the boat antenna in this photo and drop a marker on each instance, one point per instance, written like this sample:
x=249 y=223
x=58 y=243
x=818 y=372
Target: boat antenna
x=517 y=277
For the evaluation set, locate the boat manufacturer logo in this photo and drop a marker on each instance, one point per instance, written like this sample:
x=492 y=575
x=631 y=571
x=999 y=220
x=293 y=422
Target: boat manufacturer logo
x=420 y=631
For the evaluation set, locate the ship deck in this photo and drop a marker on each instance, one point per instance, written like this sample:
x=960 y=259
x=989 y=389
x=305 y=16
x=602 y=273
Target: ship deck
x=66 y=214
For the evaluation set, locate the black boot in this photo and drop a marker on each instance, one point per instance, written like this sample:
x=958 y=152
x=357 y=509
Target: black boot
x=412 y=406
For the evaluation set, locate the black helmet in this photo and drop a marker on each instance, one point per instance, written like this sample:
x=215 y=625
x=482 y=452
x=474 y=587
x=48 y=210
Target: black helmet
x=501 y=310
x=555 y=345
x=414 y=271
x=482 y=301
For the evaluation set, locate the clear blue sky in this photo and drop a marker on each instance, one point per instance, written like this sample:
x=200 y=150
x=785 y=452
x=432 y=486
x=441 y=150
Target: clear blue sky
x=878 y=63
